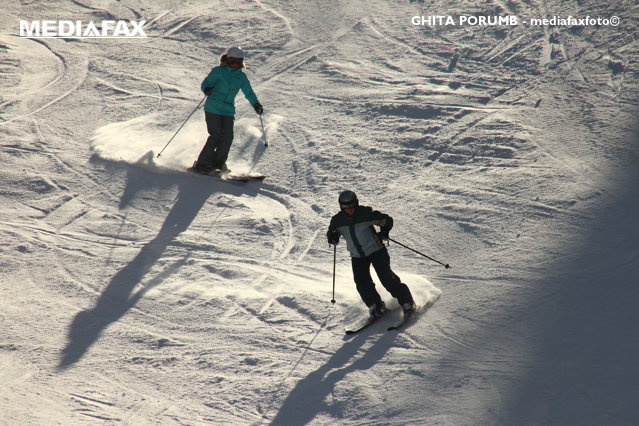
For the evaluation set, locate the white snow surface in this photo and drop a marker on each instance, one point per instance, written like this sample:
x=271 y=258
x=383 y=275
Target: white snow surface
x=134 y=293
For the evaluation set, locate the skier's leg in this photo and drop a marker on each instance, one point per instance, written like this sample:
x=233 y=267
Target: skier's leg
x=391 y=282
x=214 y=128
x=364 y=282
x=224 y=144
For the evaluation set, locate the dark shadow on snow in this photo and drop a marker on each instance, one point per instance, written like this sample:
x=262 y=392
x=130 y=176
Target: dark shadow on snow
x=566 y=352
x=585 y=368
x=119 y=296
x=307 y=399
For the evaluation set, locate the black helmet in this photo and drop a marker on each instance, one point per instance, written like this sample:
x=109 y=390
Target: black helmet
x=348 y=199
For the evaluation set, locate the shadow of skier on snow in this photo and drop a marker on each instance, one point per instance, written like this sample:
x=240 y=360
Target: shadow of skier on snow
x=306 y=399
x=119 y=296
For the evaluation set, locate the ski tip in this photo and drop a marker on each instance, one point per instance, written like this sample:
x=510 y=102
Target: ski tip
x=402 y=323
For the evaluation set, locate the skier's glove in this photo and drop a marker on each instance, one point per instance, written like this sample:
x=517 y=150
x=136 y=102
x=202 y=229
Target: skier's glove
x=383 y=234
x=258 y=108
x=208 y=91
x=333 y=237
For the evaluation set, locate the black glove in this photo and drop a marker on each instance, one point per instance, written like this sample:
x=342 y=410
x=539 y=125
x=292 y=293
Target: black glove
x=208 y=91
x=333 y=237
x=383 y=234
x=258 y=108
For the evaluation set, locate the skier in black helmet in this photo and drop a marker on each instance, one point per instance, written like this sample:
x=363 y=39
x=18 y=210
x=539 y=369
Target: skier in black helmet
x=356 y=224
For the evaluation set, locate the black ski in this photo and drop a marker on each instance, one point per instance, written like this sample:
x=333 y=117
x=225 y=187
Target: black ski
x=411 y=314
x=369 y=321
x=404 y=320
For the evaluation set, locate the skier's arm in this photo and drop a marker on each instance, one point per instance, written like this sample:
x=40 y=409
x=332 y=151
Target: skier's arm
x=249 y=94
x=332 y=235
x=382 y=220
x=385 y=223
x=208 y=84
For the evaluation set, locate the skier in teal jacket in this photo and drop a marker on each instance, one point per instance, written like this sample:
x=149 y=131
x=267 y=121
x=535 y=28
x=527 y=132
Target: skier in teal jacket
x=221 y=87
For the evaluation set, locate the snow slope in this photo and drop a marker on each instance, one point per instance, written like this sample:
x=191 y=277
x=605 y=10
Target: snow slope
x=134 y=293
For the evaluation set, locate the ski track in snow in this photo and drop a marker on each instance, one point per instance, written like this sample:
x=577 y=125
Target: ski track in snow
x=133 y=292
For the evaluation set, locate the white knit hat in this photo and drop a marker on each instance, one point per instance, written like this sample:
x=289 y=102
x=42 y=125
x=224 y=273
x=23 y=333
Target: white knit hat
x=235 y=52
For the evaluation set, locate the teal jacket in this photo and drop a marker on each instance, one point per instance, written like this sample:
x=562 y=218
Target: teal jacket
x=225 y=83
x=361 y=238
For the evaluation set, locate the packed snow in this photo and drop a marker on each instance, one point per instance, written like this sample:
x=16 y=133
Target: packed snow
x=133 y=292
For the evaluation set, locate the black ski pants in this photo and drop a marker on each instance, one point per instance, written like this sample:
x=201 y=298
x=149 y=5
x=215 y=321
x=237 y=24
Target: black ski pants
x=391 y=282
x=217 y=147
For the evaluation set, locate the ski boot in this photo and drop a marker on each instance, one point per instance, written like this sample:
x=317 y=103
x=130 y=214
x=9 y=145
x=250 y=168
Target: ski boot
x=377 y=310
x=408 y=308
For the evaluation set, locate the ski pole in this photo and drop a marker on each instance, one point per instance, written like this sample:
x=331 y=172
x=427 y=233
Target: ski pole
x=445 y=265
x=187 y=119
x=334 y=262
x=263 y=132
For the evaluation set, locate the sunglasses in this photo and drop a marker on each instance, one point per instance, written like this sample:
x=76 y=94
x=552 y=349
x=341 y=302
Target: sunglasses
x=235 y=61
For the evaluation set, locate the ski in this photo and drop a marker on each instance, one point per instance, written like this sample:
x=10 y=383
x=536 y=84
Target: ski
x=228 y=176
x=369 y=321
x=409 y=316
x=249 y=176
x=403 y=321
x=225 y=176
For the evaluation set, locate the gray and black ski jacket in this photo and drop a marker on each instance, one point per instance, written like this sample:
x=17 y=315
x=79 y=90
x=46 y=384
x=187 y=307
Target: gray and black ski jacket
x=361 y=238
